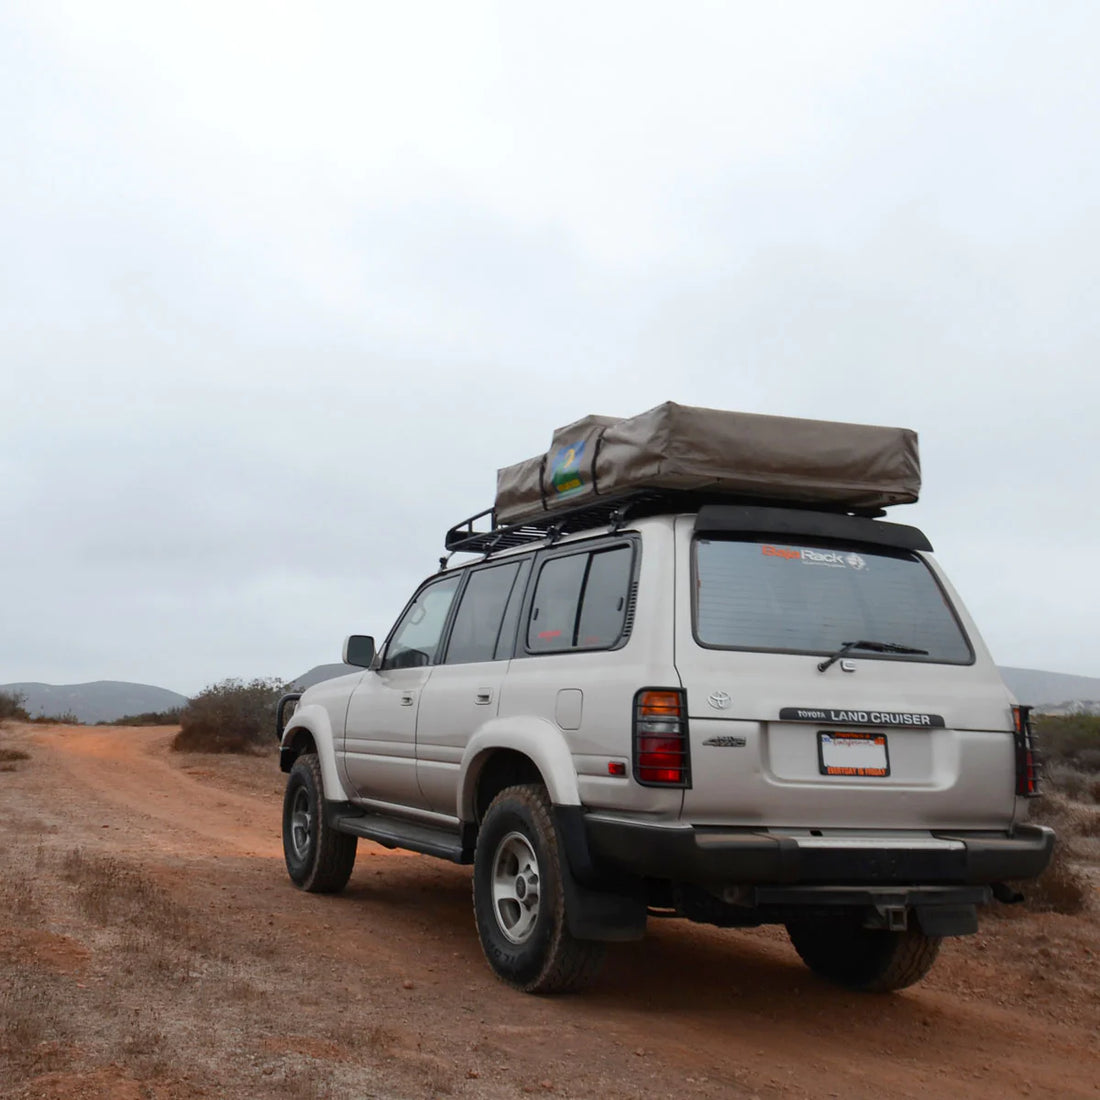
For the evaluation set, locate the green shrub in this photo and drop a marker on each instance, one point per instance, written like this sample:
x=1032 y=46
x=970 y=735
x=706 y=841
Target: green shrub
x=148 y=718
x=230 y=716
x=11 y=706
x=1072 y=739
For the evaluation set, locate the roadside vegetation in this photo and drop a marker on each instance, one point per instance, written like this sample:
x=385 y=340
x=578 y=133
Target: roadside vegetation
x=230 y=716
x=1070 y=745
x=11 y=709
x=148 y=718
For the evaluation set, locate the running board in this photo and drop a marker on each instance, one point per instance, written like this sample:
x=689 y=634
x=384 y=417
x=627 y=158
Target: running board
x=414 y=836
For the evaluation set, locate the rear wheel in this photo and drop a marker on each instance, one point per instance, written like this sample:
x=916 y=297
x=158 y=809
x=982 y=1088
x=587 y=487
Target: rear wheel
x=873 y=960
x=519 y=900
x=318 y=859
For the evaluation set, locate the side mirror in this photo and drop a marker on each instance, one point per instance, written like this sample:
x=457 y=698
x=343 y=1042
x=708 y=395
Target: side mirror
x=359 y=650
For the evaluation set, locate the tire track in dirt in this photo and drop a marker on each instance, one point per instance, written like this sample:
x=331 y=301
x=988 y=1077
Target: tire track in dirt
x=154 y=804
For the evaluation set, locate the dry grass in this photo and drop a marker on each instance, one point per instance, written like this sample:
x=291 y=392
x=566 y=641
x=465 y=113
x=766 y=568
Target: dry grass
x=19 y=899
x=108 y=892
x=10 y=757
x=31 y=1018
x=1062 y=887
x=1074 y=782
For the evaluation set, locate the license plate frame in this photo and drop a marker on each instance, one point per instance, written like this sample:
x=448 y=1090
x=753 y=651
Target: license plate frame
x=848 y=755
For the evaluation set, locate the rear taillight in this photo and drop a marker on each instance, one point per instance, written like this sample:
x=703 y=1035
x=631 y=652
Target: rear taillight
x=1028 y=763
x=661 y=738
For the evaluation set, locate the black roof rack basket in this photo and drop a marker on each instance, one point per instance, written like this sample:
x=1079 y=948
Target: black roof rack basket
x=610 y=512
x=464 y=537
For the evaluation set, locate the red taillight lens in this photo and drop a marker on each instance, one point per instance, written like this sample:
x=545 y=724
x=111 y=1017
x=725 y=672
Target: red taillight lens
x=660 y=739
x=1028 y=762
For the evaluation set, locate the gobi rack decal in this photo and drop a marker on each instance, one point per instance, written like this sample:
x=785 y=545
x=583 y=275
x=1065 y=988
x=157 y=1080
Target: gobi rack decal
x=903 y=718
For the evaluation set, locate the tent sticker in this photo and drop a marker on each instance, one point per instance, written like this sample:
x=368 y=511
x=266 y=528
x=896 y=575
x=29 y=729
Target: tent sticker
x=565 y=472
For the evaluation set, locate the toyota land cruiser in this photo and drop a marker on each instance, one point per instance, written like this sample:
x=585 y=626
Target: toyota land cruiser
x=671 y=707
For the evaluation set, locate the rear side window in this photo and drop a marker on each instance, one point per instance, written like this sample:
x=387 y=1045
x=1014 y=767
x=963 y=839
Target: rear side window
x=580 y=601
x=813 y=599
x=480 y=614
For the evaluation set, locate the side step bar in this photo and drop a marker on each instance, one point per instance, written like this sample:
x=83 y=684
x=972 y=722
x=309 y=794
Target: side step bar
x=397 y=832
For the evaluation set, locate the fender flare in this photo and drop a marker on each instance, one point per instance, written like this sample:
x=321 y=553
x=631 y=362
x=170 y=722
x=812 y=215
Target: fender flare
x=314 y=720
x=541 y=741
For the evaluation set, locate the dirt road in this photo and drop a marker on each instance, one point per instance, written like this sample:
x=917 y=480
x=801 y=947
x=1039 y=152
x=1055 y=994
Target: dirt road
x=151 y=945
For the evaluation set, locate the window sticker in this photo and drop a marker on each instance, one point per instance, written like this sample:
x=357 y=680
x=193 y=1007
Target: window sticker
x=565 y=473
x=834 y=559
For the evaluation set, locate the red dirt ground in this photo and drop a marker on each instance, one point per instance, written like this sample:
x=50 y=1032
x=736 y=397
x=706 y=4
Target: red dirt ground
x=173 y=958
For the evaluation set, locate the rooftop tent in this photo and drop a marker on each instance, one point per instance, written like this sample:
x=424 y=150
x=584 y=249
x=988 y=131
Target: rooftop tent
x=681 y=447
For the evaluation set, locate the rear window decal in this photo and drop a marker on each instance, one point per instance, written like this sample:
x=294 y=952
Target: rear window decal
x=836 y=559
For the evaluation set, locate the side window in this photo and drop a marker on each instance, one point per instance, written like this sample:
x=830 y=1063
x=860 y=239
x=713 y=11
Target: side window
x=554 y=611
x=506 y=643
x=606 y=594
x=581 y=601
x=480 y=613
x=415 y=639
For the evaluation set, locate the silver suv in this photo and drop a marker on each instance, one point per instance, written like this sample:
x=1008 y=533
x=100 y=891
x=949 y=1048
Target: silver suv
x=737 y=714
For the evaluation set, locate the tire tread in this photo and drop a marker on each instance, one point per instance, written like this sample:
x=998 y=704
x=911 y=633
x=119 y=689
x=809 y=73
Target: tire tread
x=871 y=961
x=571 y=964
x=334 y=852
x=911 y=960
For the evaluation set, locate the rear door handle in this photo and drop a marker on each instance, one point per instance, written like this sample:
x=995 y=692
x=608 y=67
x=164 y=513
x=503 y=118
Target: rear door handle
x=484 y=696
x=407 y=699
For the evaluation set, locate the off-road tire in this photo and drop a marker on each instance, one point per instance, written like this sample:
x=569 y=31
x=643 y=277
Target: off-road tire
x=871 y=960
x=318 y=858
x=550 y=959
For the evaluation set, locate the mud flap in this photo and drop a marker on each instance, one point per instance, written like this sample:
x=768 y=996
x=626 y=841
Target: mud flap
x=947 y=920
x=600 y=915
x=613 y=915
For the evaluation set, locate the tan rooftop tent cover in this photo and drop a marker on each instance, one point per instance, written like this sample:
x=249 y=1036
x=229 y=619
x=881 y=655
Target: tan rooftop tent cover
x=857 y=466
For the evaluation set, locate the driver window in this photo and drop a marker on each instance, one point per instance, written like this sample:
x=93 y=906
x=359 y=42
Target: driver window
x=416 y=637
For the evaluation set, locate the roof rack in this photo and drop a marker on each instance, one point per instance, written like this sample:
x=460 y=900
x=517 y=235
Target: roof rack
x=604 y=512
x=610 y=512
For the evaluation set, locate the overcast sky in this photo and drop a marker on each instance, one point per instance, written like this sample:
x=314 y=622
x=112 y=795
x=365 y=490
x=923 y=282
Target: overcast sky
x=282 y=285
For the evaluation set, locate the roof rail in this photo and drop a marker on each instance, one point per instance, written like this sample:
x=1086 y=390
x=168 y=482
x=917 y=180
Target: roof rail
x=610 y=512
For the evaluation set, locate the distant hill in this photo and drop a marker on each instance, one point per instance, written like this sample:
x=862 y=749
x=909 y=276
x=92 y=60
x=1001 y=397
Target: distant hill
x=1053 y=692
x=101 y=701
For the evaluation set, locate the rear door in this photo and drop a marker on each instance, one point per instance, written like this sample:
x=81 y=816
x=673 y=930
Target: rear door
x=464 y=690
x=875 y=740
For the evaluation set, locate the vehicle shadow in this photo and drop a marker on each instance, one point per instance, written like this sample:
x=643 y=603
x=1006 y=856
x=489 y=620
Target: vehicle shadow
x=679 y=967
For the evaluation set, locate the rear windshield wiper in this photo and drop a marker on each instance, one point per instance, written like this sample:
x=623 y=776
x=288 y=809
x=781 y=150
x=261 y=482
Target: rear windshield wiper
x=875 y=647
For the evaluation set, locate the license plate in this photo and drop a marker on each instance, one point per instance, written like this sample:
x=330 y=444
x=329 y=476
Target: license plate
x=853 y=754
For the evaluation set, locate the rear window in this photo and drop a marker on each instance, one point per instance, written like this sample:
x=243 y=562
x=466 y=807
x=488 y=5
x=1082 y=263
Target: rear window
x=813 y=599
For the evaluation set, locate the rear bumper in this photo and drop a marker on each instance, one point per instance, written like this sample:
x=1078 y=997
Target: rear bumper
x=710 y=855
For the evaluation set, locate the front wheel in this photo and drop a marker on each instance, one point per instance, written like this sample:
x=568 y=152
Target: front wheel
x=519 y=900
x=318 y=859
x=872 y=960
